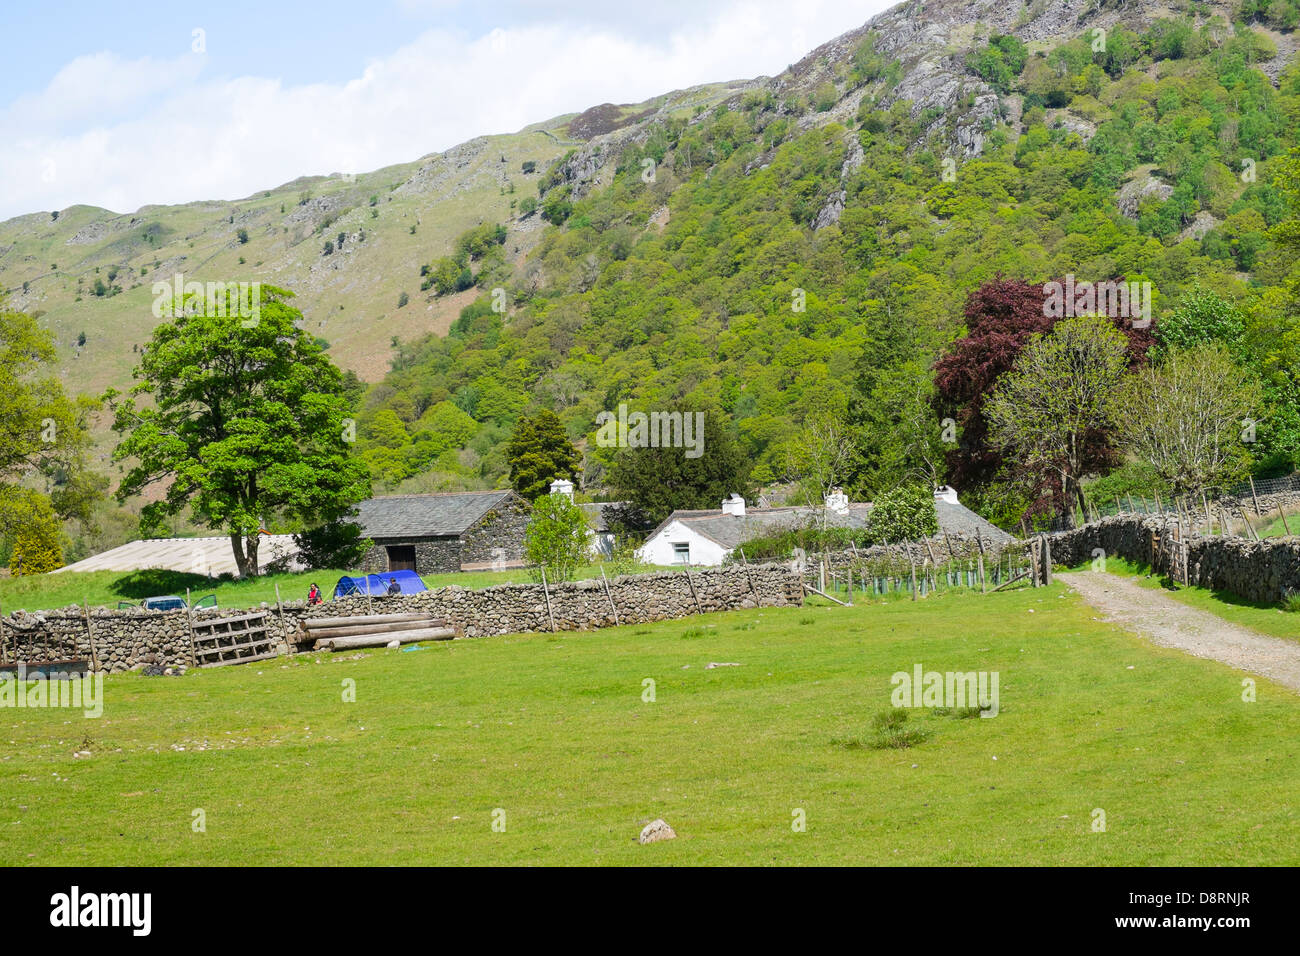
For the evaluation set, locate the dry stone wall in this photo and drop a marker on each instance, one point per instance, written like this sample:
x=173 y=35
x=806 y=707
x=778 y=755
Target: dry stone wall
x=125 y=639
x=1265 y=571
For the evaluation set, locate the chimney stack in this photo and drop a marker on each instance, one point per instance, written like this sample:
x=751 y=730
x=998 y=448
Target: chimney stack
x=735 y=505
x=837 y=501
x=946 y=493
x=562 y=486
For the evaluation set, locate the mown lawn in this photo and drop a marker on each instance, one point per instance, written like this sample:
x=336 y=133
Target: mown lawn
x=1265 y=618
x=552 y=730
x=106 y=588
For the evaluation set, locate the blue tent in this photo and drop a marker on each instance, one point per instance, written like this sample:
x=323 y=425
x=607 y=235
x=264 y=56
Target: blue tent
x=377 y=584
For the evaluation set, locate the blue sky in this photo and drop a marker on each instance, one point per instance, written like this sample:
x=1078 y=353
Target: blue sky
x=98 y=100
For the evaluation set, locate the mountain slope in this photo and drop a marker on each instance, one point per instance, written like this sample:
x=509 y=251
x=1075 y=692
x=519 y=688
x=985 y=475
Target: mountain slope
x=874 y=182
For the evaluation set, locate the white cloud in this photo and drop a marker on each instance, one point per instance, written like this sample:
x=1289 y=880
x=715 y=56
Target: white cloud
x=122 y=134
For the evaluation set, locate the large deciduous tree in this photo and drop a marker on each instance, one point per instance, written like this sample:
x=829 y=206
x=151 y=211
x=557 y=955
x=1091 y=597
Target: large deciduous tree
x=244 y=421
x=1185 y=417
x=1059 y=401
x=1002 y=316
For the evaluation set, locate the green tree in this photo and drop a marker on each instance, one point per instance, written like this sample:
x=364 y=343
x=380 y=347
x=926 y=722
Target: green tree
x=1204 y=316
x=539 y=451
x=658 y=480
x=333 y=544
x=43 y=439
x=248 y=423
x=556 y=537
x=37 y=546
x=1060 y=395
x=1184 y=418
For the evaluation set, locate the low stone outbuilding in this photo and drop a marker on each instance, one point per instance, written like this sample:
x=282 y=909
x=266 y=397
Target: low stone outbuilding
x=429 y=534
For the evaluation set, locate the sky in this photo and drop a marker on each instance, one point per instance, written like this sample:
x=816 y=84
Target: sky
x=125 y=105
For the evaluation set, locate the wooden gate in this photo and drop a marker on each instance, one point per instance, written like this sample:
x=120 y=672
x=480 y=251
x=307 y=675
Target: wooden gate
x=233 y=640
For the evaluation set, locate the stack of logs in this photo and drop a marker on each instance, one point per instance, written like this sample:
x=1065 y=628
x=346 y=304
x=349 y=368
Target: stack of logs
x=374 y=630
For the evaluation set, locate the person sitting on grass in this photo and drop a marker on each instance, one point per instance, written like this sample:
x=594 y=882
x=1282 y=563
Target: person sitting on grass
x=393 y=587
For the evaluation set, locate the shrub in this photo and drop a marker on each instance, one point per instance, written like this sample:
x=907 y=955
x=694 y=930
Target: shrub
x=336 y=544
x=905 y=513
x=892 y=732
x=556 y=537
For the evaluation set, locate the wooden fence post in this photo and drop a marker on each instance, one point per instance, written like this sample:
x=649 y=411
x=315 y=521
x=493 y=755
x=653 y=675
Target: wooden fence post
x=547 y=594
x=90 y=634
x=698 y=607
x=279 y=605
x=609 y=597
x=748 y=576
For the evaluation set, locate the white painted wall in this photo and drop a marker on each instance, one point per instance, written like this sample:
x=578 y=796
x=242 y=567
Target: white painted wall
x=659 y=549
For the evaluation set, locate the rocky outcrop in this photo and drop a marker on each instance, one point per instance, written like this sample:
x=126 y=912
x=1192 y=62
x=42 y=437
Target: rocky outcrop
x=1130 y=196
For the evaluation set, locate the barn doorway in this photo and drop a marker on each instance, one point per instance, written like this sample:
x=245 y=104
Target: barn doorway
x=401 y=557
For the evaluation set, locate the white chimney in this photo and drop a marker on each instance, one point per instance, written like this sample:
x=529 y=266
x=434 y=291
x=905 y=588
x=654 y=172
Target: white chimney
x=837 y=501
x=735 y=505
x=562 y=486
x=946 y=493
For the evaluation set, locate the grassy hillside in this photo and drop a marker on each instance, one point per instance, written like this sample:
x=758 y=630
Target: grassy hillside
x=552 y=731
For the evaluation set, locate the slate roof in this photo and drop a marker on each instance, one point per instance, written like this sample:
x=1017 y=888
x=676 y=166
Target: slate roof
x=731 y=531
x=958 y=519
x=426 y=516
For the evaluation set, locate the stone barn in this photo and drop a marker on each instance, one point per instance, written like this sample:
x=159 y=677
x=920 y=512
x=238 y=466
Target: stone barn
x=429 y=534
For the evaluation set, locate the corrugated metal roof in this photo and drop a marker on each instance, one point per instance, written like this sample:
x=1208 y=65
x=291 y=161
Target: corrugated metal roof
x=212 y=556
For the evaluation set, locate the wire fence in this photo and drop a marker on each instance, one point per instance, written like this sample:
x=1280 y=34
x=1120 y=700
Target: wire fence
x=1248 y=510
x=918 y=577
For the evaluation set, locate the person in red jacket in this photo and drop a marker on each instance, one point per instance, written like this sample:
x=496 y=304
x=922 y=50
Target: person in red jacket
x=313 y=596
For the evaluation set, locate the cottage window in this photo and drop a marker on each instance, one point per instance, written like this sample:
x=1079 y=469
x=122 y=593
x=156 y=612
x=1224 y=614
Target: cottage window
x=681 y=552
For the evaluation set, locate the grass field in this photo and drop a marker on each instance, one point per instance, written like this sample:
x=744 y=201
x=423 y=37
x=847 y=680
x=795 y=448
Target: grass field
x=1277 y=528
x=1265 y=618
x=106 y=588
x=551 y=733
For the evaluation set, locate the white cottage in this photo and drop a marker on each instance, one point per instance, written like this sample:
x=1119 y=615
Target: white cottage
x=706 y=538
